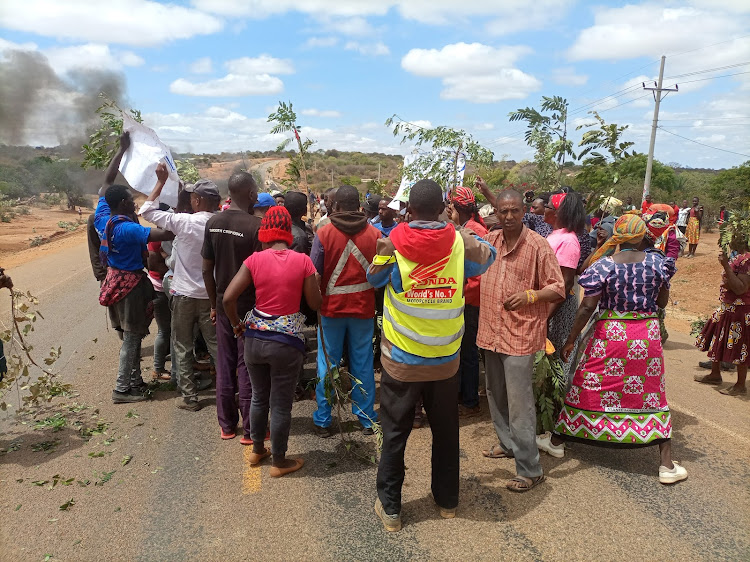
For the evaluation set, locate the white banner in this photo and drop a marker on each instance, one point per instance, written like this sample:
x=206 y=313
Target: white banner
x=424 y=164
x=138 y=165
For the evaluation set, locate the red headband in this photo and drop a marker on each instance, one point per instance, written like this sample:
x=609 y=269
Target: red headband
x=556 y=200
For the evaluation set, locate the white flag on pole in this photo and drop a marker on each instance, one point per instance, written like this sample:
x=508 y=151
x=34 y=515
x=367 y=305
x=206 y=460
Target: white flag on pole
x=447 y=160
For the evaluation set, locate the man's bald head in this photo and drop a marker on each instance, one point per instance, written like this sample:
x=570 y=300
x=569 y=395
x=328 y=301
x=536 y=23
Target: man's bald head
x=510 y=195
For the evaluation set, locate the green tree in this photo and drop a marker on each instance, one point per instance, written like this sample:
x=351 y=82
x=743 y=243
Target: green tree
x=102 y=145
x=443 y=143
x=732 y=187
x=547 y=134
x=285 y=120
x=662 y=176
x=187 y=171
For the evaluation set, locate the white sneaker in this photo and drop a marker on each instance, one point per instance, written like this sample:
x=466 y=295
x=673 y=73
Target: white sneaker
x=670 y=476
x=544 y=443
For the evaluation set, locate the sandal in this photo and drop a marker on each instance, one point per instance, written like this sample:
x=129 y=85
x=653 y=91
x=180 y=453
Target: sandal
x=734 y=391
x=524 y=484
x=496 y=452
x=706 y=380
x=161 y=376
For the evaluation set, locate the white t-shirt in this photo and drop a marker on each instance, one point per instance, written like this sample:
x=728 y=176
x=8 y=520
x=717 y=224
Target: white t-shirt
x=682 y=216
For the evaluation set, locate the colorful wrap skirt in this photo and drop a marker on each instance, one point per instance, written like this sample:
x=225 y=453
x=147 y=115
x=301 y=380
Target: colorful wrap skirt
x=693 y=232
x=726 y=335
x=618 y=396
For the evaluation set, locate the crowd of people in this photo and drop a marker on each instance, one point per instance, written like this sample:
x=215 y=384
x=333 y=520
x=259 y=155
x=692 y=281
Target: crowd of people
x=420 y=292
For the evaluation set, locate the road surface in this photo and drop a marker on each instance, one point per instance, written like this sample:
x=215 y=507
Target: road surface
x=188 y=495
x=265 y=170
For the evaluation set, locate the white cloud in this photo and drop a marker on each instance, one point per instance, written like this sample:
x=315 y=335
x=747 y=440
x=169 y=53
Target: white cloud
x=502 y=17
x=202 y=65
x=356 y=27
x=91 y=56
x=485 y=127
x=315 y=42
x=567 y=77
x=651 y=30
x=128 y=22
x=231 y=85
x=474 y=72
x=264 y=64
x=368 y=49
x=247 y=76
x=220 y=129
x=321 y=113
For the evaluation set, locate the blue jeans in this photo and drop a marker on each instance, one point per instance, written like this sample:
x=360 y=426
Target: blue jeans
x=357 y=332
x=468 y=370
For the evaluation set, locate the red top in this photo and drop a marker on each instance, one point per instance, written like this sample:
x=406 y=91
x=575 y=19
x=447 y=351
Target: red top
x=346 y=291
x=154 y=247
x=740 y=265
x=471 y=293
x=278 y=276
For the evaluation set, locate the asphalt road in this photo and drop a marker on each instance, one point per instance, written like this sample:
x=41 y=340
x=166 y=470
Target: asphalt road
x=188 y=495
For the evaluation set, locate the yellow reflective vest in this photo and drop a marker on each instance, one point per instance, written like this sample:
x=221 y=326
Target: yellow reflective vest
x=427 y=319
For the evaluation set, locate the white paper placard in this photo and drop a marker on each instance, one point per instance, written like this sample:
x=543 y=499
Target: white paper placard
x=138 y=165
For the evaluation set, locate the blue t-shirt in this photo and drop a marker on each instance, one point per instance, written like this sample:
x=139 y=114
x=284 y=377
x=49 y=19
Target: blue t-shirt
x=101 y=216
x=128 y=245
x=386 y=230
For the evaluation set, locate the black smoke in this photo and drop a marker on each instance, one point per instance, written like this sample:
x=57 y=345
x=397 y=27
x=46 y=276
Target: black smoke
x=36 y=103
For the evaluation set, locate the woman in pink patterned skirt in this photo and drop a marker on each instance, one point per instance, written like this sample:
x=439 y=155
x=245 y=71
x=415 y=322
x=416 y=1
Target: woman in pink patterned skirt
x=726 y=335
x=618 y=397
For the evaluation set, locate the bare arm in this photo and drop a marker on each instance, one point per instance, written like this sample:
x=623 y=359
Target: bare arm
x=479 y=183
x=311 y=290
x=111 y=173
x=242 y=280
x=587 y=308
x=738 y=284
x=663 y=299
x=209 y=281
x=159 y=235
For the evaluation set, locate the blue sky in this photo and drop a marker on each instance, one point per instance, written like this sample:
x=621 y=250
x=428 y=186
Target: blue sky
x=206 y=73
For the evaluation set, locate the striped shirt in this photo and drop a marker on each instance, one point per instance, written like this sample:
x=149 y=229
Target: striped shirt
x=530 y=264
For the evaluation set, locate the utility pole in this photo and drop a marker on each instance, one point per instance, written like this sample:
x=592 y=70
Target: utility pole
x=655 y=125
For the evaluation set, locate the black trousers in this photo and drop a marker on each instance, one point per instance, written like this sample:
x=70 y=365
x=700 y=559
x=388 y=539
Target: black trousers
x=397 y=401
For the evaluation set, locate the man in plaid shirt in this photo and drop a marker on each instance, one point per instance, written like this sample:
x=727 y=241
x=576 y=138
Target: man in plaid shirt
x=517 y=292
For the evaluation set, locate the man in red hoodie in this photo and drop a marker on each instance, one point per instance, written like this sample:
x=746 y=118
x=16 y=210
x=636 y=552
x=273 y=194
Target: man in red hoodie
x=342 y=250
x=423 y=266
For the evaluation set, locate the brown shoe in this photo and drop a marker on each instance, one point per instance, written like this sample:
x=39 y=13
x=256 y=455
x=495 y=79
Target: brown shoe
x=278 y=472
x=191 y=405
x=465 y=412
x=255 y=458
x=418 y=420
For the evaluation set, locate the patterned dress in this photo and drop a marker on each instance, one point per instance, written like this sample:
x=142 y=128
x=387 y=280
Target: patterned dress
x=693 y=232
x=618 y=396
x=726 y=335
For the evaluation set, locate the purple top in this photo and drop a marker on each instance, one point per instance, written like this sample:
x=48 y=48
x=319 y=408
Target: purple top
x=628 y=287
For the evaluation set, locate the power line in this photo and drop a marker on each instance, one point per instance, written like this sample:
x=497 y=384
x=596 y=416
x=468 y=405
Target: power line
x=705 y=118
x=705 y=70
x=704 y=144
x=707 y=46
x=713 y=77
x=722 y=125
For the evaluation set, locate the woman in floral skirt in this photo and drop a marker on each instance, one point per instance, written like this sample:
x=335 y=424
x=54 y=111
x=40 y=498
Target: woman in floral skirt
x=618 y=397
x=726 y=336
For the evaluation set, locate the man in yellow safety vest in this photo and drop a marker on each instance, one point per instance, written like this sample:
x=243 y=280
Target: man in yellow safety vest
x=423 y=266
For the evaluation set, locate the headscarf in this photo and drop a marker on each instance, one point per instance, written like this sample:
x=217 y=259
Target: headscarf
x=463 y=197
x=656 y=224
x=607 y=224
x=556 y=200
x=628 y=229
x=664 y=208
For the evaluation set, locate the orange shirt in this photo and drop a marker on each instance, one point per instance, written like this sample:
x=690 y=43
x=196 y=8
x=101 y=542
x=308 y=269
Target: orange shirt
x=531 y=264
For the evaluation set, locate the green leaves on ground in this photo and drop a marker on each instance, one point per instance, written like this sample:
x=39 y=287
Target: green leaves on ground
x=126 y=459
x=67 y=505
x=56 y=422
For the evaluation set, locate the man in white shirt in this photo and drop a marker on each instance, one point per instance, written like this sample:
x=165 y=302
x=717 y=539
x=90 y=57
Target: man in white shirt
x=190 y=304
